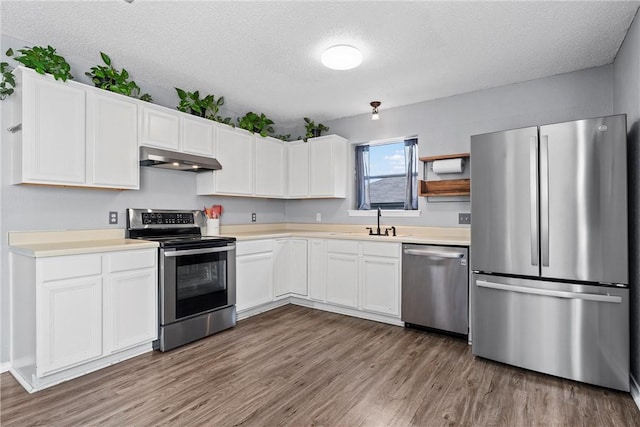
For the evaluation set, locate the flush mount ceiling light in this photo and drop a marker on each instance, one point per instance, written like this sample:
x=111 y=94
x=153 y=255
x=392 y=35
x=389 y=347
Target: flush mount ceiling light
x=375 y=114
x=341 y=57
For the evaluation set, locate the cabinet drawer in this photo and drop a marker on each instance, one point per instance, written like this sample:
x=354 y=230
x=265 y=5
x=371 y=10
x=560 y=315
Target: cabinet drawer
x=254 y=247
x=67 y=267
x=390 y=250
x=343 y=246
x=132 y=260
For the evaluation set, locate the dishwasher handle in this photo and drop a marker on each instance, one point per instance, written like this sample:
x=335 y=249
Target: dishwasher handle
x=432 y=253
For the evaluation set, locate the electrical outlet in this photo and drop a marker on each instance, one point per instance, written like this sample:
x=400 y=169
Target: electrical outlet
x=464 y=218
x=318 y=216
x=253 y=217
x=113 y=217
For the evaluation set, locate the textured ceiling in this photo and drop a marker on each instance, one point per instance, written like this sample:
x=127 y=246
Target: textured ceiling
x=264 y=56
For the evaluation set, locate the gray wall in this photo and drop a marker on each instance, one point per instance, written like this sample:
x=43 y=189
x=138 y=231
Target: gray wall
x=445 y=125
x=41 y=208
x=626 y=99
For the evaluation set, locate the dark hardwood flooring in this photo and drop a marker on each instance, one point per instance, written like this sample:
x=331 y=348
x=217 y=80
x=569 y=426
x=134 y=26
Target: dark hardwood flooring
x=299 y=366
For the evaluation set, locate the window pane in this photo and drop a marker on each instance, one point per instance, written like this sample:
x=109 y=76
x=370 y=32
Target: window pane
x=387 y=190
x=387 y=159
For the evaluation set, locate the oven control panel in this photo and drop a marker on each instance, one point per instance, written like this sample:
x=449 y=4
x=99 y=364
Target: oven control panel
x=163 y=218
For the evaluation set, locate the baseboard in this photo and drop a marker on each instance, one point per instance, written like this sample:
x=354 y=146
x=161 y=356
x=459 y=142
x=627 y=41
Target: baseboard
x=635 y=390
x=4 y=367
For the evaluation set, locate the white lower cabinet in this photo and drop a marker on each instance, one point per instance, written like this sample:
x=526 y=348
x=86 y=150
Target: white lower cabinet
x=290 y=267
x=359 y=278
x=254 y=273
x=70 y=323
x=381 y=285
x=342 y=279
x=317 y=261
x=77 y=313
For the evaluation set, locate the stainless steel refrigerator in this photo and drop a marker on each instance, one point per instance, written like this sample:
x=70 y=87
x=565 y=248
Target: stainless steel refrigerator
x=549 y=249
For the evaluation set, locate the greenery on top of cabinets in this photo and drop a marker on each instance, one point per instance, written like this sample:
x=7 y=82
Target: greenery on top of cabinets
x=285 y=138
x=207 y=107
x=256 y=123
x=44 y=60
x=8 y=82
x=313 y=130
x=109 y=78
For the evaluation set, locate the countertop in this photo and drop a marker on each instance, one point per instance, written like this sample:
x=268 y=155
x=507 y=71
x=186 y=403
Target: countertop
x=419 y=235
x=39 y=244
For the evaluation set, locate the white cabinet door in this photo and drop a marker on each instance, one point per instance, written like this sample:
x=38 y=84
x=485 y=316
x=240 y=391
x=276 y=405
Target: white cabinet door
x=282 y=267
x=197 y=136
x=298 y=169
x=69 y=323
x=342 y=279
x=254 y=280
x=235 y=152
x=112 y=141
x=381 y=285
x=320 y=170
x=316 y=267
x=131 y=312
x=270 y=167
x=53 y=135
x=160 y=128
x=298 y=263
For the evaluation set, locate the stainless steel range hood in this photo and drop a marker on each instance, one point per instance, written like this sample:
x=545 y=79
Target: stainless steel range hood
x=157 y=158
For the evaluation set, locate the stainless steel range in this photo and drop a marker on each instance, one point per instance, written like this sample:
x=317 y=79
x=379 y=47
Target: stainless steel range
x=197 y=275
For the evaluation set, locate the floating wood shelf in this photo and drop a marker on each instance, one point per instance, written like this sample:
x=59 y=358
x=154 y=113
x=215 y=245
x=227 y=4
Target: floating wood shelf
x=444 y=157
x=447 y=187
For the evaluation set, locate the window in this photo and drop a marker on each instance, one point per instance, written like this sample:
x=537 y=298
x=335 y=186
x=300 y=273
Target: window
x=387 y=175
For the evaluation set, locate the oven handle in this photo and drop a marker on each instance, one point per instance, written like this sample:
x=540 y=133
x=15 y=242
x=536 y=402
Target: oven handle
x=199 y=251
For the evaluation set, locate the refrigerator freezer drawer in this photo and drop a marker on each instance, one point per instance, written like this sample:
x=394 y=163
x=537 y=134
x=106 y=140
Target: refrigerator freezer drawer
x=572 y=331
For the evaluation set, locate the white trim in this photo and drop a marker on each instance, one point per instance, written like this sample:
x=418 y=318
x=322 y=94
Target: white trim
x=304 y=301
x=386 y=213
x=4 y=367
x=635 y=390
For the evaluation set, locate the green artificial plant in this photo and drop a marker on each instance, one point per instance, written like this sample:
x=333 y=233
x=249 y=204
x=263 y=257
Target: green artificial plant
x=107 y=77
x=314 y=130
x=8 y=82
x=207 y=107
x=44 y=60
x=260 y=124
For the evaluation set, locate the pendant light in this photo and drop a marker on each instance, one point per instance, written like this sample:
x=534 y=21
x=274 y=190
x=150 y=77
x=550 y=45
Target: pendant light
x=375 y=114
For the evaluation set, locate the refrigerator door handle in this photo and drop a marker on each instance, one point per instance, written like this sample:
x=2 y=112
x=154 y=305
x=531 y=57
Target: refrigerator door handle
x=533 y=197
x=549 y=292
x=544 y=199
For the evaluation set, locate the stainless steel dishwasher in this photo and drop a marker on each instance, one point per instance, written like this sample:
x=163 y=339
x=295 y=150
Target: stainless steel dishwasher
x=435 y=287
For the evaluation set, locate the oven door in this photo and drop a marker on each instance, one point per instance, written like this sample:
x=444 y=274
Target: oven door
x=196 y=281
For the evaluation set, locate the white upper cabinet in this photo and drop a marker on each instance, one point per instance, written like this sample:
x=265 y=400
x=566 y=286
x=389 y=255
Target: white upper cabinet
x=53 y=132
x=236 y=153
x=270 y=167
x=197 y=136
x=160 y=128
x=73 y=134
x=328 y=166
x=112 y=141
x=298 y=169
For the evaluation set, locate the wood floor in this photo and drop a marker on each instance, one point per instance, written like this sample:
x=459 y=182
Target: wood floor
x=299 y=366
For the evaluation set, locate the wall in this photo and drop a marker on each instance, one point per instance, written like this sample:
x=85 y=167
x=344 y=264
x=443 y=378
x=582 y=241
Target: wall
x=40 y=208
x=626 y=99
x=445 y=125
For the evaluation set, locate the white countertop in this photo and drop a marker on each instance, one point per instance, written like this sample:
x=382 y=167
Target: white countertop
x=419 y=235
x=40 y=244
